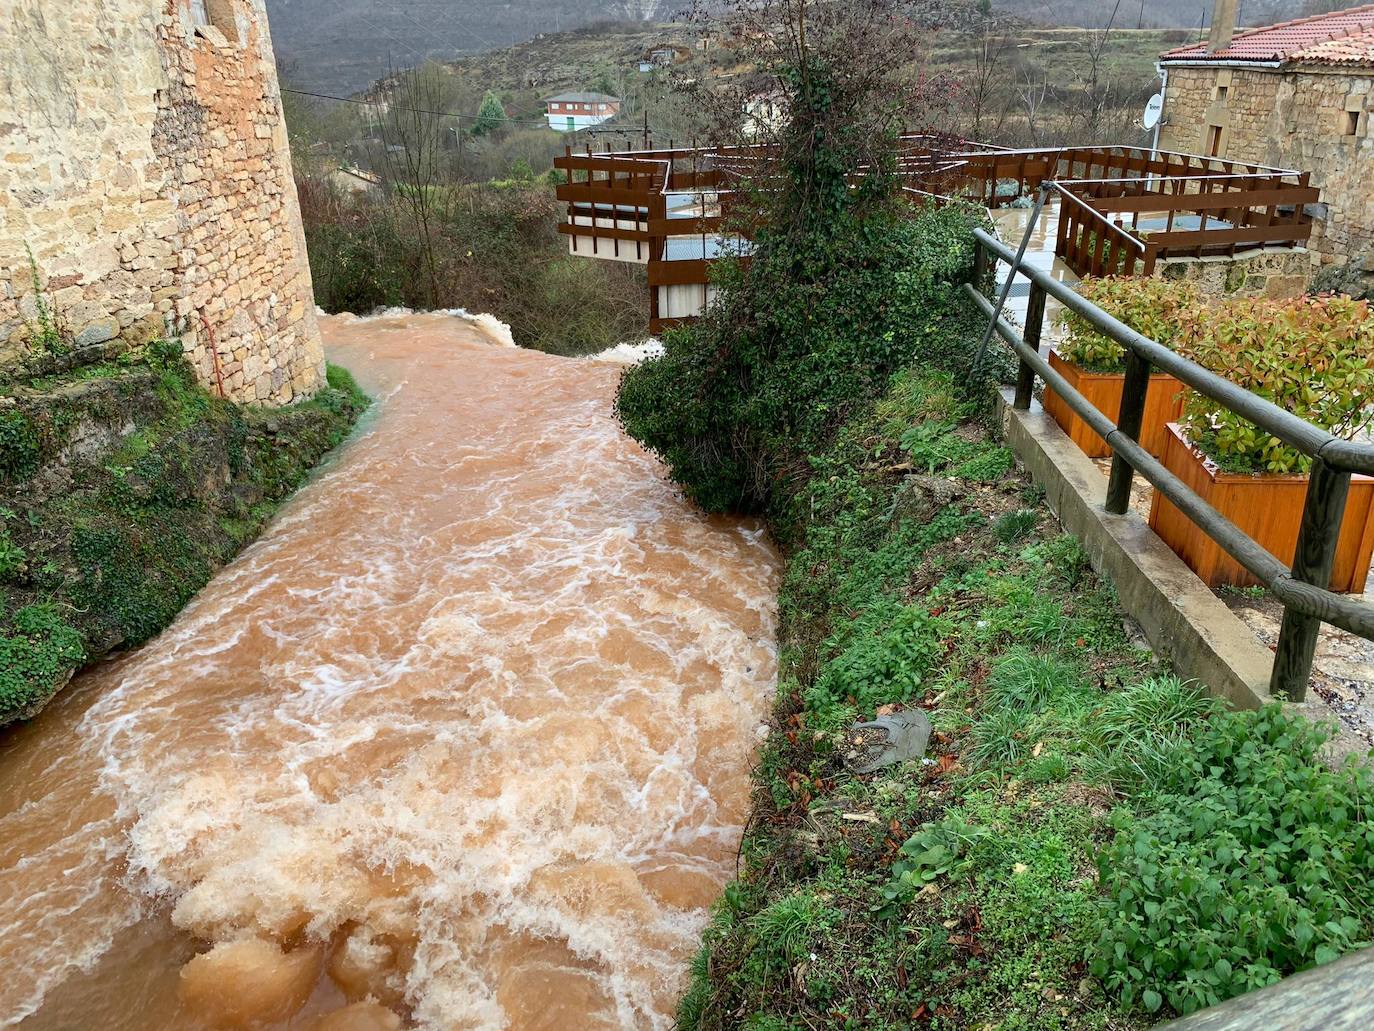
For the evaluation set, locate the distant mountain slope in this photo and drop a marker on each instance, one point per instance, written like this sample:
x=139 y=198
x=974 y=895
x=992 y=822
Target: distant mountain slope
x=340 y=46
x=1167 y=14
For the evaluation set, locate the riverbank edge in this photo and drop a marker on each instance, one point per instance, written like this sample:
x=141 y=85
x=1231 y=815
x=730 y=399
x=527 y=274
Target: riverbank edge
x=124 y=487
x=992 y=883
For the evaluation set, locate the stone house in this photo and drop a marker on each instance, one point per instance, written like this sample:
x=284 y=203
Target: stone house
x=1293 y=95
x=146 y=186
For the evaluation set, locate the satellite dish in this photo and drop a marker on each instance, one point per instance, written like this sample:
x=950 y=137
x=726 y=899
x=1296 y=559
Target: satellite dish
x=1153 y=109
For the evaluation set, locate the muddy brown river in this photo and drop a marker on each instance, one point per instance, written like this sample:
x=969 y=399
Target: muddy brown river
x=462 y=742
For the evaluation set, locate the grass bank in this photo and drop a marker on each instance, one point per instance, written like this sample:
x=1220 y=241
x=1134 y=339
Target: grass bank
x=1089 y=843
x=124 y=486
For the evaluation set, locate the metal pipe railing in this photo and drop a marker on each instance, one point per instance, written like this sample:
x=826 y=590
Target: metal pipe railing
x=1301 y=589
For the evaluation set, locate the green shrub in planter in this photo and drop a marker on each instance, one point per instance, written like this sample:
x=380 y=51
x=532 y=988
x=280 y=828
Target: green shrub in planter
x=1155 y=307
x=1313 y=356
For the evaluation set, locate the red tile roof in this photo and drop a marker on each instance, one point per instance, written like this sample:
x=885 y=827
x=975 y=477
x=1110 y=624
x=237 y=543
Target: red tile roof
x=1357 y=48
x=1342 y=37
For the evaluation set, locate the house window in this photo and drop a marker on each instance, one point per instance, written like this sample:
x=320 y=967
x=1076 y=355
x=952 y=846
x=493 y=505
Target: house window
x=572 y=124
x=1351 y=124
x=1221 y=93
x=1214 y=141
x=216 y=16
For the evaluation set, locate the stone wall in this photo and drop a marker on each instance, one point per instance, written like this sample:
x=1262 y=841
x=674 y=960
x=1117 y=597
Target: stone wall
x=1277 y=272
x=144 y=166
x=1293 y=119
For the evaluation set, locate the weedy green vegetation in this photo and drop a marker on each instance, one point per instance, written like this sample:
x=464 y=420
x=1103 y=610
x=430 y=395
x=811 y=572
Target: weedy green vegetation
x=101 y=546
x=961 y=891
x=1247 y=860
x=1090 y=843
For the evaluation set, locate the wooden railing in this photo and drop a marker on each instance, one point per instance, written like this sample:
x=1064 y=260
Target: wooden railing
x=1121 y=209
x=1195 y=206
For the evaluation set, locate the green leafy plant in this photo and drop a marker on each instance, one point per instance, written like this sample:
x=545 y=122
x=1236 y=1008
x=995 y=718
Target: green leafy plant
x=931 y=446
x=12 y=556
x=886 y=660
x=939 y=849
x=1253 y=861
x=992 y=465
x=1157 y=308
x=44 y=333
x=19 y=446
x=37 y=653
x=1313 y=356
x=163 y=354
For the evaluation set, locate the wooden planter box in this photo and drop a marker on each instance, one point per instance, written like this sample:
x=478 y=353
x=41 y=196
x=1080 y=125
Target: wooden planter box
x=1163 y=405
x=1268 y=508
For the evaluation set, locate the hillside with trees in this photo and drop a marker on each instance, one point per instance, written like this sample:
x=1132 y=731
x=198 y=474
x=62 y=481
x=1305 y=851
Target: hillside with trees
x=342 y=45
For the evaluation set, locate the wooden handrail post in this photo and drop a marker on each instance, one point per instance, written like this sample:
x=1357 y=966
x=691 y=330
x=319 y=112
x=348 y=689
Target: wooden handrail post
x=1327 y=490
x=1133 y=393
x=1035 y=321
x=980 y=266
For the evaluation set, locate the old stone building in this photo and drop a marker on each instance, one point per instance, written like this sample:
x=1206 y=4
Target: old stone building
x=1293 y=95
x=145 y=185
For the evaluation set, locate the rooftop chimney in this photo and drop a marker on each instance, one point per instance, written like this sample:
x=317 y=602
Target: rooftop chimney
x=1223 y=25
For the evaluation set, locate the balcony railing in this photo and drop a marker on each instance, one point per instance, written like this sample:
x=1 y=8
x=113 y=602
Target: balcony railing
x=1122 y=209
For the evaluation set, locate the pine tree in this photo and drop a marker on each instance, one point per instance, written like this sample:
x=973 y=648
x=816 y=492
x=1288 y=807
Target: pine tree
x=490 y=116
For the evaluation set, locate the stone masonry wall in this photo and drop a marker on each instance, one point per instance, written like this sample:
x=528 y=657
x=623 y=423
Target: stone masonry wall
x=1292 y=119
x=1272 y=272
x=144 y=165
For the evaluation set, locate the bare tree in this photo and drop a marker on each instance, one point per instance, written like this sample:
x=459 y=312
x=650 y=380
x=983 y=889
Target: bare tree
x=415 y=129
x=989 y=88
x=1094 y=86
x=1033 y=91
x=845 y=79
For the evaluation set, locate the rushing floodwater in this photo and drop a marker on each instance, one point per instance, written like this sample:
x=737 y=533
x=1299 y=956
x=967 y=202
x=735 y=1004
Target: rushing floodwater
x=468 y=731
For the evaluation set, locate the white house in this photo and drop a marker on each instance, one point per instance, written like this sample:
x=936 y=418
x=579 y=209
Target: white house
x=569 y=112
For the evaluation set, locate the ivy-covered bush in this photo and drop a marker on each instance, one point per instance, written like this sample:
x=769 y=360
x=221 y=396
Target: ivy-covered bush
x=807 y=333
x=1252 y=862
x=1157 y=308
x=19 y=450
x=1313 y=356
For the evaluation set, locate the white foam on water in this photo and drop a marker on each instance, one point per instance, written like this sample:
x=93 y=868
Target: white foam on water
x=499 y=332
x=631 y=354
